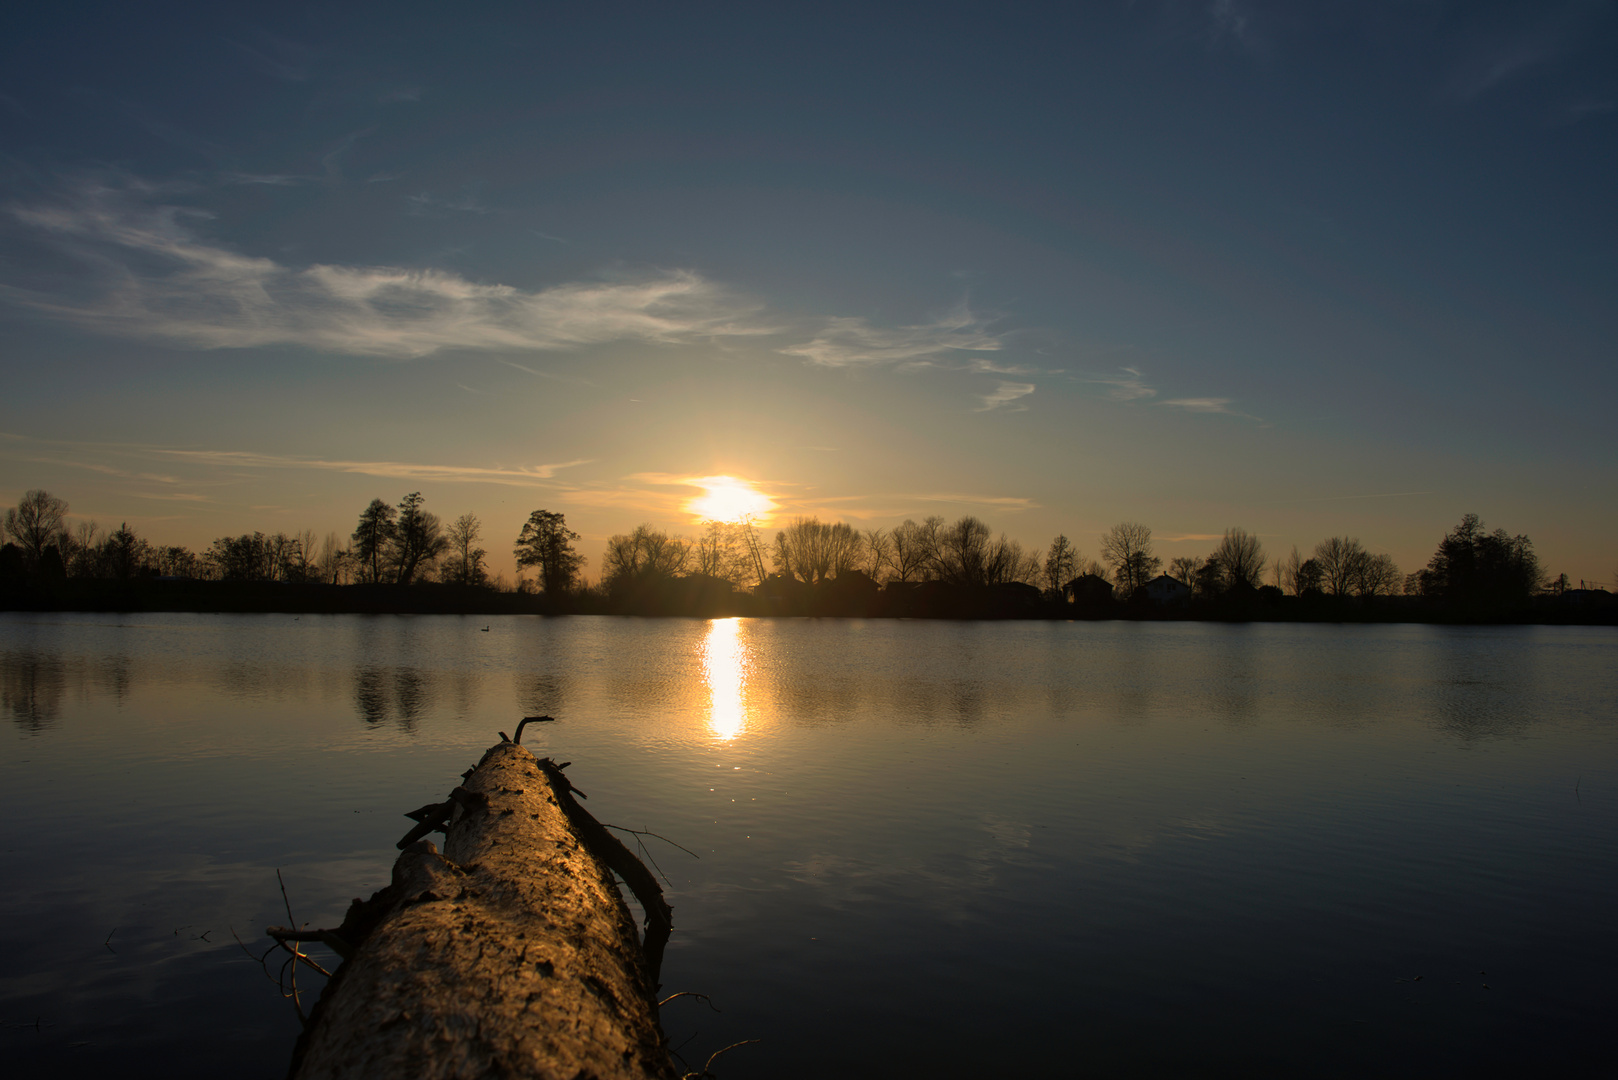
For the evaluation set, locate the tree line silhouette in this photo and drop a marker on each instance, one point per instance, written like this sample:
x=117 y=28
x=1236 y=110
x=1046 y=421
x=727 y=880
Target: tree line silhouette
x=403 y=557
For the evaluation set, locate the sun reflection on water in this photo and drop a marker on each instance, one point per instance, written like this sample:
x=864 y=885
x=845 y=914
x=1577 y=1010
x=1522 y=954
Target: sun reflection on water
x=724 y=667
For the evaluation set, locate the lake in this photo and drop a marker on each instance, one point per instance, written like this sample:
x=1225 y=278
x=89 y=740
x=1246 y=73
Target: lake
x=926 y=848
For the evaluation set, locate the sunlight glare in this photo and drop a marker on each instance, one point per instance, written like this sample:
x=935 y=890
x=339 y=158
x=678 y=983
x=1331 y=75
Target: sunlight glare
x=728 y=498
x=724 y=667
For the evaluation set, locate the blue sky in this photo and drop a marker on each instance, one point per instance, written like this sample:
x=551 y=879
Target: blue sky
x=1335 y=268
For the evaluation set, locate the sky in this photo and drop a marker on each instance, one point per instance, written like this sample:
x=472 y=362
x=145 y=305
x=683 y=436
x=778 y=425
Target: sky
x=1338 y=268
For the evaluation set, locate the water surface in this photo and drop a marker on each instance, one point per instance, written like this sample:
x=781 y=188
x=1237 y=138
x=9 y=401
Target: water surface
x=955 y=848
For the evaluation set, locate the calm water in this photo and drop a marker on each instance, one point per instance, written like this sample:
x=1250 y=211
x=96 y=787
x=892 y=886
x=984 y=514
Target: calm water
x=951 y=849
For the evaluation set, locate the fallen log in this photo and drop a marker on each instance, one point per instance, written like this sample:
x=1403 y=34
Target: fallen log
x=510 y=954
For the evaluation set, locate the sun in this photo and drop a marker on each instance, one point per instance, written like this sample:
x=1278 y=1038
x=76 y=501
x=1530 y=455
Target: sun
x=728 y=498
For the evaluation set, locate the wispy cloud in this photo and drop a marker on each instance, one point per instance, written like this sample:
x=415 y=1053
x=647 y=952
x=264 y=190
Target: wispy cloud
x=1219 y=405
x=269 y=179
x=421 y=204
x=1005 y=396
x=1128 y=384
x=981 y=365
x=81 y=453
x=524 y=476
x=854 y=342
x=1199 y=404
x=153 y=276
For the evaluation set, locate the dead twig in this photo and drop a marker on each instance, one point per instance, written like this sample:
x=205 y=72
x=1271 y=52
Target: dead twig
x=648 y=832
x=690 y=994
x=297 y=1002
x=707 y=1069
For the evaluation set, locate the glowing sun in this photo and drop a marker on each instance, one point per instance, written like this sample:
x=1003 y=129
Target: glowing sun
x=727 y=498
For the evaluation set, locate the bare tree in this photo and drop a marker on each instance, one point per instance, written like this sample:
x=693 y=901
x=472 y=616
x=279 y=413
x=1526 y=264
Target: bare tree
x=878 y=553
x=1376 y=575
x=465 y=557
x=912 y=550
x=813 y=551
x=1084 y=565
x=1184 y=569
x=308 y=547
x=645 y=554
x=962 y=555
x=1241 y=558
x=1059 y=563
x=84 y=550
x=1287 y=571
x=334 y=561
x=1127 y=548
x=36 y=523
x=1339 y=559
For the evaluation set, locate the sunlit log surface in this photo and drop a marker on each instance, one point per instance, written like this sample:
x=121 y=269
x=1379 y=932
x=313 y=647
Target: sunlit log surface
x=511 y=954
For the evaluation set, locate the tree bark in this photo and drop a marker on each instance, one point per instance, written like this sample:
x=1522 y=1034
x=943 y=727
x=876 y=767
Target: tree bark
x=511 y=954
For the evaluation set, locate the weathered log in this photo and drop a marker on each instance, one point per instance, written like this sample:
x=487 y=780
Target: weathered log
x=511 y=954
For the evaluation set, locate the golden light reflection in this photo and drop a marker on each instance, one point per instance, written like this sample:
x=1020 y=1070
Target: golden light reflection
x=728 y=498
x=724 y=667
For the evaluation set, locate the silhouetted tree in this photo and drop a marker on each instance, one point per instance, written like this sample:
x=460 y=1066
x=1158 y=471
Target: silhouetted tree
x=1482 y=572
x=281 y=557
x=813 y=551
x=36 y=524
x=1376 y=575
x=963 y=551
x=240 y=558
x=724 y=552
x=417 y=538
x=1308 y=577
x=1127 y=548
x=912 y=549
x=1184 y=569
x=333 y=562
x=373 y=538
x=465 y=557
x=83 y=547
x=125 y=555
x=645 y=556
x=176 y=561
x=1339 y=559
x=1241 y=559
x=1058 y=566
x=967 y=554
x=546 y=542
x=1209 y=580
x=878 y=549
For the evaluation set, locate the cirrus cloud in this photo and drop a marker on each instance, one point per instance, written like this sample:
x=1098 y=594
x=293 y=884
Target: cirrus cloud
x=151 y=275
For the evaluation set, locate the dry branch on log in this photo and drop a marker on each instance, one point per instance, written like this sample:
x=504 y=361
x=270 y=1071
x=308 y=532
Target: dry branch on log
x=510 y=954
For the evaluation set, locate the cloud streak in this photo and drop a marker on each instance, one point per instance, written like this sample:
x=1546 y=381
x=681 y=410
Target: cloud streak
x=530 y=476
x=1129 y=384
x=154 y=277
x=1005 y=397
x=854 y=342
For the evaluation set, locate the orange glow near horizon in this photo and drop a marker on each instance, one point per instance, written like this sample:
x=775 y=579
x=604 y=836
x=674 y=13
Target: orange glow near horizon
x=730 y=499
x=724 y=669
